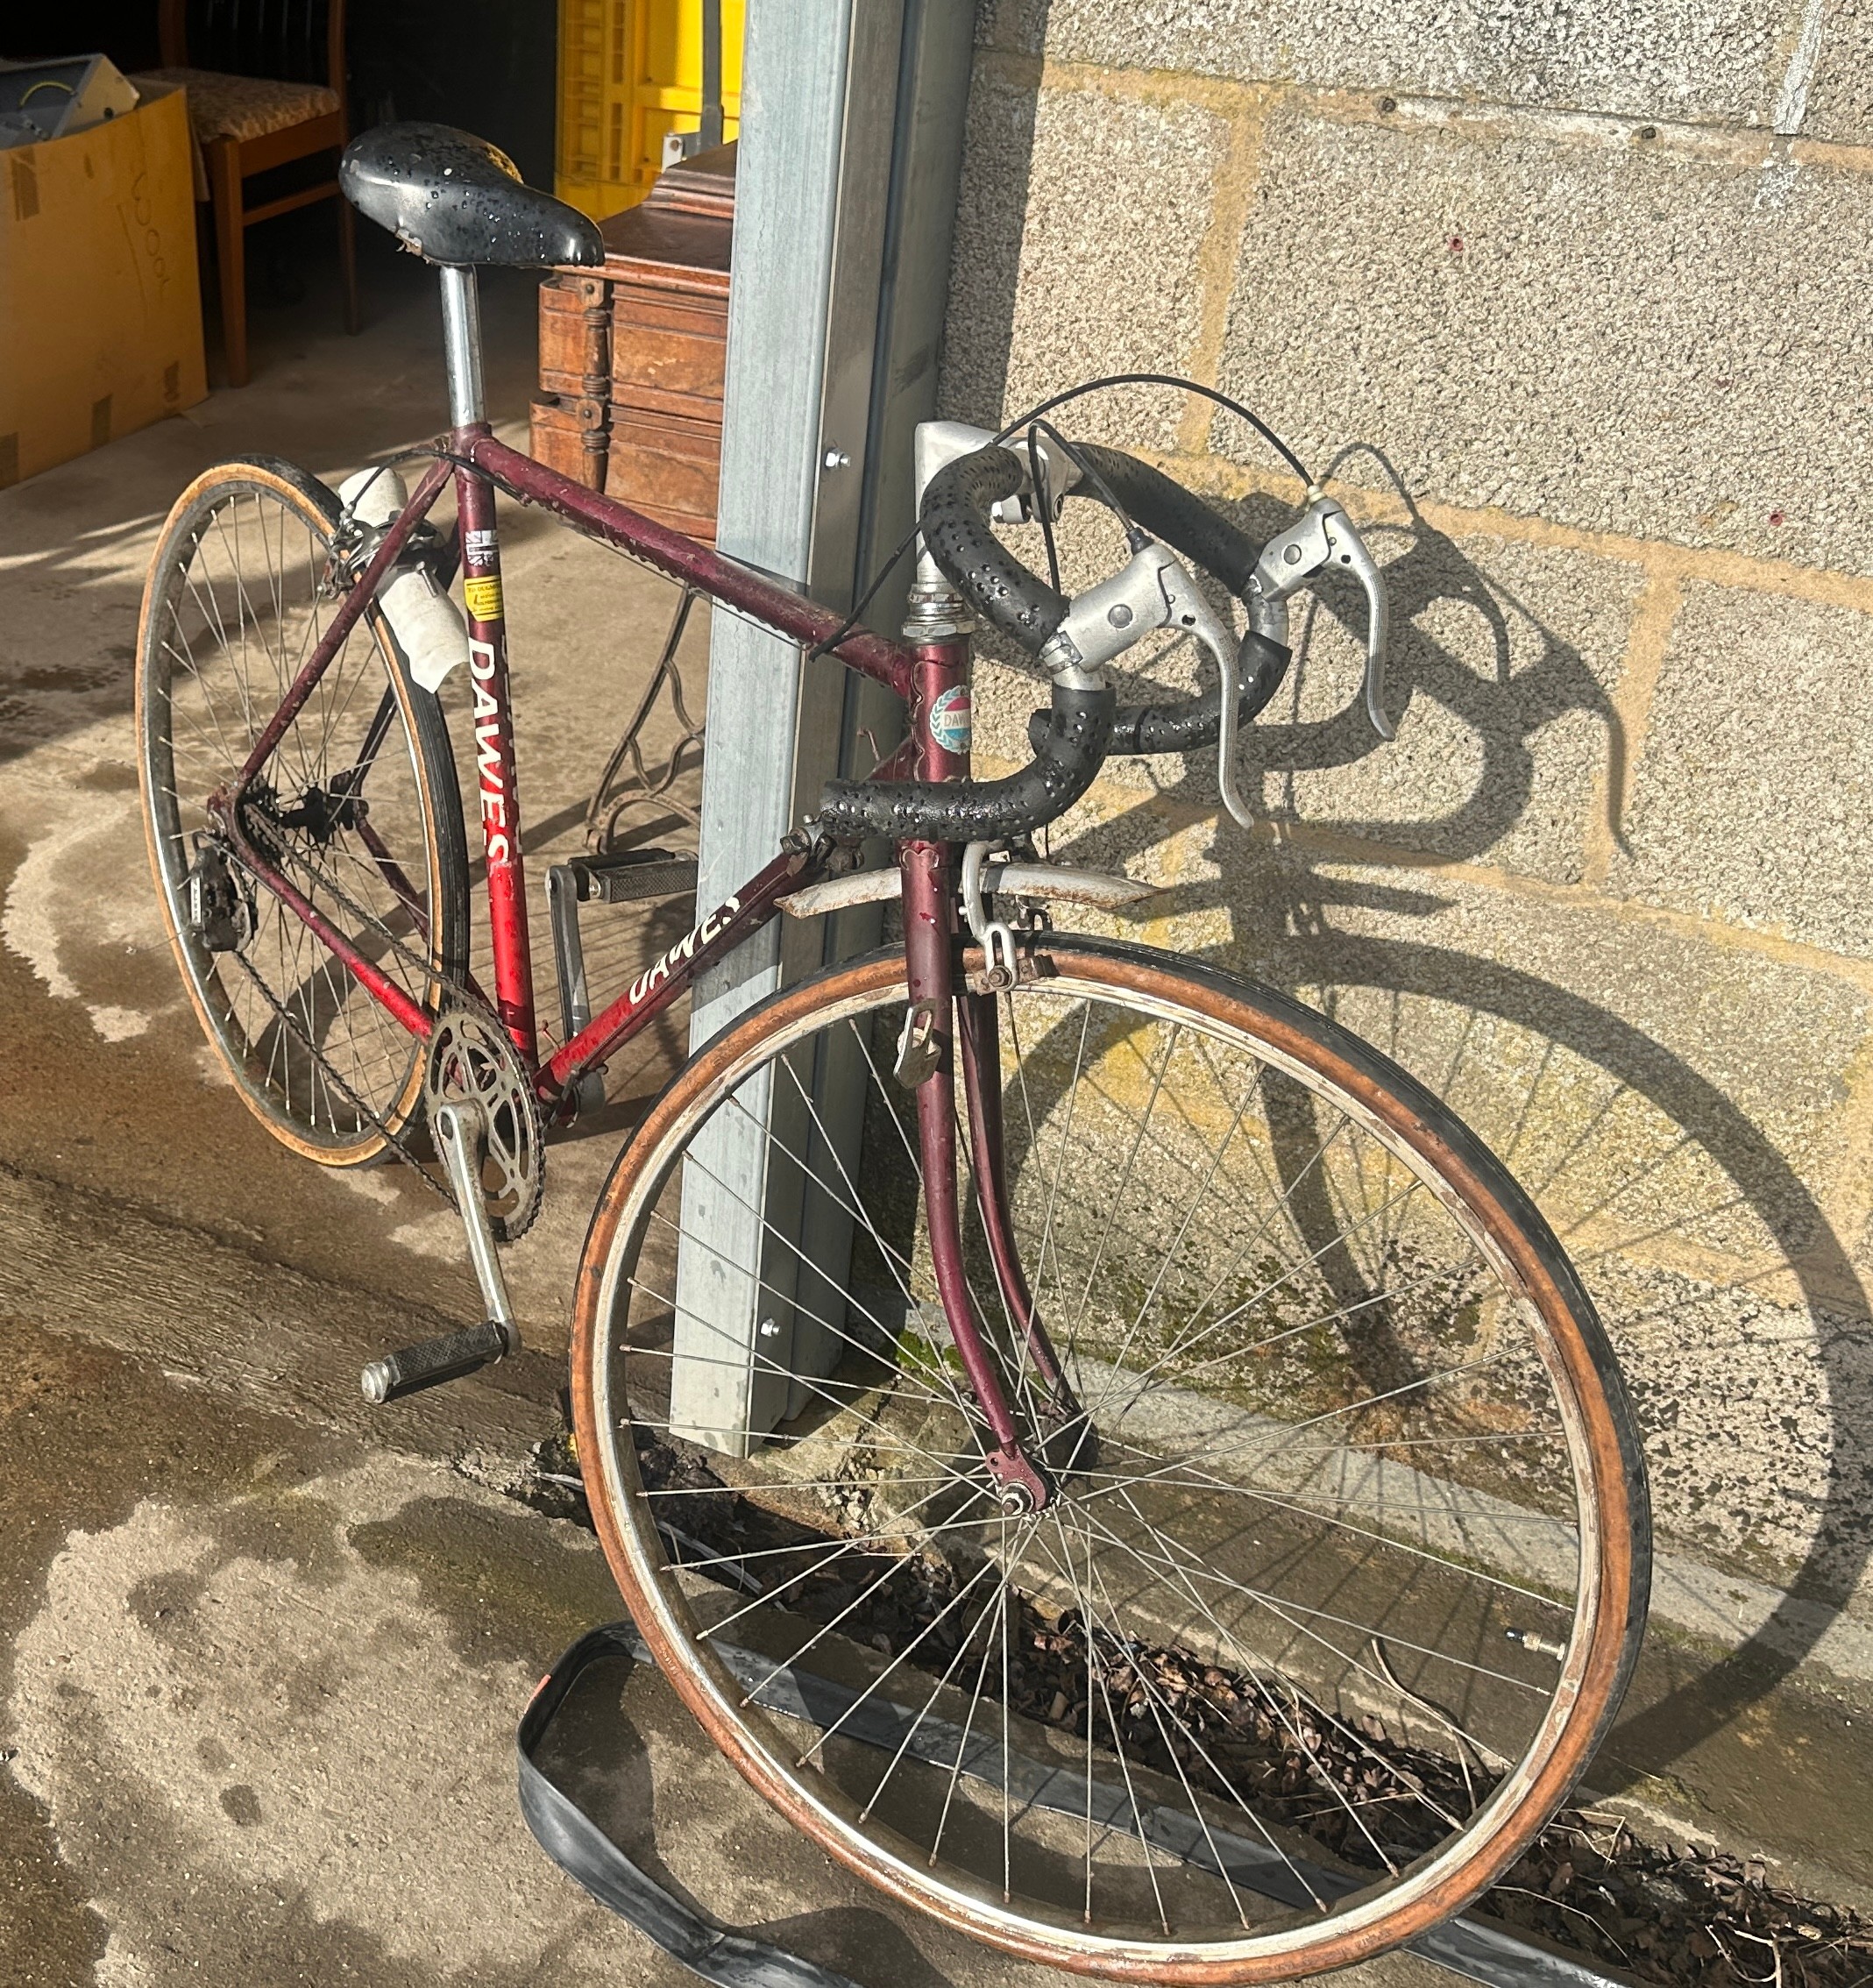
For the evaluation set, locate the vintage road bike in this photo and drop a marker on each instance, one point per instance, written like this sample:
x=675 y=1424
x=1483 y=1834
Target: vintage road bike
x=1099 y=1446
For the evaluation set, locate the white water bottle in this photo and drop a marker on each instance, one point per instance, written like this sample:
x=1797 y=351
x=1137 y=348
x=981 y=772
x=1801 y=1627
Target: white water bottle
x=427 y=624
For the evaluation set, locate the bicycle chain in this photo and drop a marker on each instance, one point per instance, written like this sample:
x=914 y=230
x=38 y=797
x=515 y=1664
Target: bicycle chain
x=396 y=1140
x=507 y=1228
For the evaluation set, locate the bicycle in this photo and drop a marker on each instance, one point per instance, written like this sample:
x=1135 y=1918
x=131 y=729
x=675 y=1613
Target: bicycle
x=1166 y=1505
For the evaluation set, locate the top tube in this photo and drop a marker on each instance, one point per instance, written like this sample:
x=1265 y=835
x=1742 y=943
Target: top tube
x=683 y=558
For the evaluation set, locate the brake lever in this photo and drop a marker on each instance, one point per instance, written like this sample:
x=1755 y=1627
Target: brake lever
x=1154 y=591
x=1323 y=537
x=1189 y=608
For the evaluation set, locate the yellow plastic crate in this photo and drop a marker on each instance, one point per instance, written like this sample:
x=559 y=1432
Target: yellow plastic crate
x=629 y=72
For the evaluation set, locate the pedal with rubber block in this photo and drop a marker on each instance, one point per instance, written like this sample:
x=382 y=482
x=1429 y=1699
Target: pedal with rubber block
x=627 y=877
x=458 y=1129
x=433 y=1361
x=630 y=877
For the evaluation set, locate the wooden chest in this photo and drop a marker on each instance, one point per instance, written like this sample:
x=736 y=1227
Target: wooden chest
x=631 y=357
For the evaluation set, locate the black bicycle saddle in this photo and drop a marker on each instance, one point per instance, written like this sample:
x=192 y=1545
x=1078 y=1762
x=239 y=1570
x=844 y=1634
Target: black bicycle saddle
x=455 y=198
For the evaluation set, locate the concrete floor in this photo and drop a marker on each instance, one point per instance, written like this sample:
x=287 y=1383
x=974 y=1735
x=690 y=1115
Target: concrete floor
x=262 y=1650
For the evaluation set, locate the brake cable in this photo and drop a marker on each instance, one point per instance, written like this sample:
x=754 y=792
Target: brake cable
x=1107 y=379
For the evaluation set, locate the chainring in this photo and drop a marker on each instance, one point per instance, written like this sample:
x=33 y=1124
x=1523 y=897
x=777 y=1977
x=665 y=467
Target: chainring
x=473 y=1061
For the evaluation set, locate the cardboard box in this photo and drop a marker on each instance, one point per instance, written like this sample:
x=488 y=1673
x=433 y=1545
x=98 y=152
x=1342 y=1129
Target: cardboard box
x=100 y=297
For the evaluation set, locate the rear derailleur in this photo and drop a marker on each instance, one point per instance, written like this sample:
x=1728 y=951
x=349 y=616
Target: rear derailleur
x=221 y=909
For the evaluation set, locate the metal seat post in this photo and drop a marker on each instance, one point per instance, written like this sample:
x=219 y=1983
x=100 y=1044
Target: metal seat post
x=462 y=344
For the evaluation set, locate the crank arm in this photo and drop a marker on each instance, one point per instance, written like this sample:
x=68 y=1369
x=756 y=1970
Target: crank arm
x=458 y=1130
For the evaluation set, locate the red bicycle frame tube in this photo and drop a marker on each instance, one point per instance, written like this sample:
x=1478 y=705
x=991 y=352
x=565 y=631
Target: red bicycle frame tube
x=378 y=984
x=659 y=984
x=699 y=566
x=496 y=768
x=362 y=592
x=930 y=953
x=980 y=1054
x=480 y=464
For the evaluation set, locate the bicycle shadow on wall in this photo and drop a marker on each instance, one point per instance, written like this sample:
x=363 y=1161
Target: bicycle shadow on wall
x=1700 y=1242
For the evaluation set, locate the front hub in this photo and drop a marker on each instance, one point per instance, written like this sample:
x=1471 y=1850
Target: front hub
x=1024 y=1490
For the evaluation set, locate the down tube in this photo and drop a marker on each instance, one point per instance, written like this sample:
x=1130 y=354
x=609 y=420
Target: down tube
x=495 y=766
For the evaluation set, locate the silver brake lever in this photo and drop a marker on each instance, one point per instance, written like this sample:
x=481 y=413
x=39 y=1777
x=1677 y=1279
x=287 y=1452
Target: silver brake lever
x=1153 y=591
x=1322 y=536
x=1189 y=608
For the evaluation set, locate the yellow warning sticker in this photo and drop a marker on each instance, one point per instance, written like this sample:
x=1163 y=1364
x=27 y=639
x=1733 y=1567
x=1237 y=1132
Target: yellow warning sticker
x=483 y=597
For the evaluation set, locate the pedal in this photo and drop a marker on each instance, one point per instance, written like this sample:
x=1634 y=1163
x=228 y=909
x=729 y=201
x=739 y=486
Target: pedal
x=630 y=876
x=568 y=957
x=433 y=1361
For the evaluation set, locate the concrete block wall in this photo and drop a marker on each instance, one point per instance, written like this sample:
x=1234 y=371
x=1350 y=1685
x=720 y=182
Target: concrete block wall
x=1571 y=306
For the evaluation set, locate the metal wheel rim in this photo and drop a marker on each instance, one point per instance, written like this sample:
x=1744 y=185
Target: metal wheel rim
x=382 y=1118
x=1456 y=1871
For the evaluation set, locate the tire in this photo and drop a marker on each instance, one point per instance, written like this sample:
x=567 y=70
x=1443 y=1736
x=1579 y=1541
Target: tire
x=1356 y=1670
x=233 y=604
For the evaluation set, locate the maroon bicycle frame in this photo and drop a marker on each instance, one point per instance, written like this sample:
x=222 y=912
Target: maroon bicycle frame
x=480 y=464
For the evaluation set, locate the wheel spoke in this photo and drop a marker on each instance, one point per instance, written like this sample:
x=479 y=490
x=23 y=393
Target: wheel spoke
x=235 y=610
x=1321 y=1438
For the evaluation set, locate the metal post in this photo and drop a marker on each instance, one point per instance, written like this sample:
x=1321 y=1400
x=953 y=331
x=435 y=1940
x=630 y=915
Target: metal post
x=846 y=185
x=709 y=130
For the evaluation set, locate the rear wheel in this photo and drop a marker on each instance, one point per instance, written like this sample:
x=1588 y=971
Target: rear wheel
x=357 y=805
x=1325 y=1612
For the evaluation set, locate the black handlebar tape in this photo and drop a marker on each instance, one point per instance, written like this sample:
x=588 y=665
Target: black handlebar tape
x=1072 y=739
x=954 y=515
x=1182 y=520
x=1021 y=604
x=1197 y=722
x=962 y=541
x=1076 y=738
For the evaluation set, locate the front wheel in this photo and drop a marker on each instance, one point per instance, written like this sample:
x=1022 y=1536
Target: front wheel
x=1335 y=1593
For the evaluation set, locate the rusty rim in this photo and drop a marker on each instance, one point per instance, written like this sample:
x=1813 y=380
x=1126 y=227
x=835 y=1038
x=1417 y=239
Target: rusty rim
x=1607 y=1611
x=232 y=1011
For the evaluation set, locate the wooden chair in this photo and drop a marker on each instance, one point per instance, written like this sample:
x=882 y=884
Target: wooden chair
x=269 y=88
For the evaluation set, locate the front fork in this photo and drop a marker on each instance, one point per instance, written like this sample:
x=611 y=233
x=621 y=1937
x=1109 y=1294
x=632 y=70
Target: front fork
x=962 y=1027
